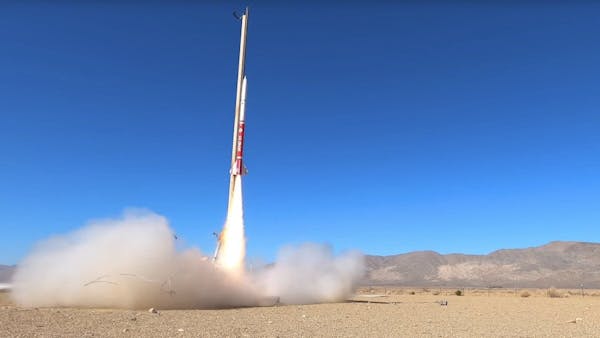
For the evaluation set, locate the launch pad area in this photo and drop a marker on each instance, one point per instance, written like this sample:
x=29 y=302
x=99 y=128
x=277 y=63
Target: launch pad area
x=500 y=313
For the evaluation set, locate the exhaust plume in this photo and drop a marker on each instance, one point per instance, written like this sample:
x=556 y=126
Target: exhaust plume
x=132 y=262
x=232 y=241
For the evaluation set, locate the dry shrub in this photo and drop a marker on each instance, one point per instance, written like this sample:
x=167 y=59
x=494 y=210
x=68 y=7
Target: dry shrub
x=435 y=293
x=525 y=294
x=553 y=293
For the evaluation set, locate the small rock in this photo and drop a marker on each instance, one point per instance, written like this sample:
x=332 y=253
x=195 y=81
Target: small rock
x=180 y=330
x=125 y=330
x=576 y=320
x=303 y=316
x=133 y=319
x=152 y=310
x=270 y=322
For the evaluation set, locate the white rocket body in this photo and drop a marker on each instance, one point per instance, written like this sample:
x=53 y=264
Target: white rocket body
x=237 y=166
x=231 y=240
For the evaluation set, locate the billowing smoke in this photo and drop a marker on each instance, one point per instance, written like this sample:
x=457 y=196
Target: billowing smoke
x=311 y=273
x=132 y=262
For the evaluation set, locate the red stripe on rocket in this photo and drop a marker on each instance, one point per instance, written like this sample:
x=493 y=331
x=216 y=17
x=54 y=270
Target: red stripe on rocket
x=238 y=167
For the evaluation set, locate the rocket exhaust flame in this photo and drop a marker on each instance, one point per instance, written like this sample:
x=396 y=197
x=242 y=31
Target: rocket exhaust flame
x=232 y=246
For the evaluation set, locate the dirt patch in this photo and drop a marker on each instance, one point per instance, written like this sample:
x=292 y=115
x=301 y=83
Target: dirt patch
x=376 y=315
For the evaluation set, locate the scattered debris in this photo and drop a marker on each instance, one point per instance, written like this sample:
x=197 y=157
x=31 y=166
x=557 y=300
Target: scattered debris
x=576 y=320
x=371 y=296
x=371 y=301
x=152 y=310
x=165 y=286
x=125 y=330
x=180 y=330
x=100 y=280
x=443 y=302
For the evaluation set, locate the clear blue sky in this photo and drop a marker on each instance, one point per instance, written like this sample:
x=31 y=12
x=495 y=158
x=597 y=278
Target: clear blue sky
x=386 y=128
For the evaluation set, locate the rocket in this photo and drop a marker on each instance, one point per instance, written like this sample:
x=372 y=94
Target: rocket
x=237 y=165
x=237 y=151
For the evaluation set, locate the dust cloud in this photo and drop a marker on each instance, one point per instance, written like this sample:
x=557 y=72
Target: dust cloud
x=133 y=262
x=310 y=273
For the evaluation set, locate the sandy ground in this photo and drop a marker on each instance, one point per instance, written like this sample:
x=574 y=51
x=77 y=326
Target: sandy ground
x=374 y=313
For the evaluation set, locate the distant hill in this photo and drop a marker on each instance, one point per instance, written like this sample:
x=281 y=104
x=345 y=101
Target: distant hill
x=556 y=264
x=6 y=272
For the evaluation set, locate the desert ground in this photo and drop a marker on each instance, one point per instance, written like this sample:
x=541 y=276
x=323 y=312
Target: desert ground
x=372 y=312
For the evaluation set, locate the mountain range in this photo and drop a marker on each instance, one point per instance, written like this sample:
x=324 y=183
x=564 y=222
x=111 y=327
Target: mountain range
x=556 y=264
x=6 y=272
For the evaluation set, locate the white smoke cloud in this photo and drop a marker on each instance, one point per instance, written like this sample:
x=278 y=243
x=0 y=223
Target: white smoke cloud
x=129 y=263
x=310 y=273
x=132 y=262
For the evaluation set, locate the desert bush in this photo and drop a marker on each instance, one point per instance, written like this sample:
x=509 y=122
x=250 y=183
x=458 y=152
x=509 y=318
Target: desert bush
x=435 y=293
x=411 y=293
x=553 y=293
x=525 y=294
x=458 y=293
